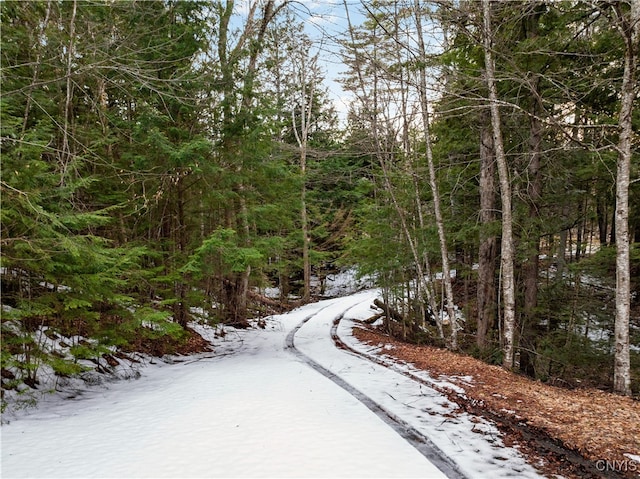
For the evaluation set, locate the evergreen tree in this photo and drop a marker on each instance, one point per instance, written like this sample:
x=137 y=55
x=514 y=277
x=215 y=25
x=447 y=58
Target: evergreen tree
x=79 y=81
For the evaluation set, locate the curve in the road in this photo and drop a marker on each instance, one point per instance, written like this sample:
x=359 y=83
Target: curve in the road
x=418 y=440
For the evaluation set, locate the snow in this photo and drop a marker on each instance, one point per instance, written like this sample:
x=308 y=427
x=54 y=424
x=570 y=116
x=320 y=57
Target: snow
x=253 y=409
x=345 y=282
x=340 y=283
x=472 y=442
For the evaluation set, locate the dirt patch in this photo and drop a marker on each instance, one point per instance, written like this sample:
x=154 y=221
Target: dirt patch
x=601 y=427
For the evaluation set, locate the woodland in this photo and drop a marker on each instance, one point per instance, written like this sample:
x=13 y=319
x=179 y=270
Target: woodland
x=169 y=161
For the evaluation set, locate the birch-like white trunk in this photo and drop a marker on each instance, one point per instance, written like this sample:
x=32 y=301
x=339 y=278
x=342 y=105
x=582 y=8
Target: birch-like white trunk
x=622 y=369
x=371 y=106
x=507 y=246
x=426 y=124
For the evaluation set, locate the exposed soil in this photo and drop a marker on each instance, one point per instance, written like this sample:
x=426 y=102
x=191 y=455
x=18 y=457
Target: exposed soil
x=573 y=433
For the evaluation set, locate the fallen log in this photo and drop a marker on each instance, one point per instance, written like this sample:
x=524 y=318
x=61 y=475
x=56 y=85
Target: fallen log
x=374 y=318
x=259 y=298
x=389 y=311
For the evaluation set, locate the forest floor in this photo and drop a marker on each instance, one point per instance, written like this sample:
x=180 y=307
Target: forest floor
x=601 y=427
x=190 y=343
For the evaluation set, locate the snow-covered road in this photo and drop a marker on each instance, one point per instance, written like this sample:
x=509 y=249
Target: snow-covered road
x=255 y=408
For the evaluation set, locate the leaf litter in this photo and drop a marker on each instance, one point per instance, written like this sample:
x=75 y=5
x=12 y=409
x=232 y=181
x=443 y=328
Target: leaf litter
x=602 y=427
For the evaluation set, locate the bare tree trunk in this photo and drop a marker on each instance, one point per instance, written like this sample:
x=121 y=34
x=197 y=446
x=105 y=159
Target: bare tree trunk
x=403 y=222
x=602 y=213
x=562 y=249
x=387 y=182
x=251 y=39
x=487 y=251
x=429 y=292
x=413 y=168
x=531 y=267
x=181 y=312
x=630 y=26
x=426 y=123
x=583 y=206
x=243 y=289
x=306 y=239
x=580 y=234
x=306 y=75
x=507 y=245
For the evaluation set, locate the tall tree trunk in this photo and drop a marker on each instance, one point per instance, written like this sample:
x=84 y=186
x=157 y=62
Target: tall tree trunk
x=581 y=230
x=306 y=240
x=413 y=168
x=487 y=251
x=507 y=245
x=372 y=108
x=428 y=293
x=426 y=123
x=531 y=267
x=424 y=288
x=306 y=76
x=251 y=40
x=562 y=248
x=181 y=309
x=242 y=291
x=602 y=214
x=630 y=27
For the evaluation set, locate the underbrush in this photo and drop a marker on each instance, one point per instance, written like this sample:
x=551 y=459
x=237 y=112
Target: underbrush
x=567 y=341
x=43 y=354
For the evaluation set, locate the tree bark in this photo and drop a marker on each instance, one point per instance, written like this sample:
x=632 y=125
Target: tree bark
x=602 y=214
x=426 y=123
x=243 y=283
x=487 y=251
x=562 y=249
x=252 y=40
x=531 y=267
x=380 y=155
x=630 y=26
x=302 y=138
x=507 y=245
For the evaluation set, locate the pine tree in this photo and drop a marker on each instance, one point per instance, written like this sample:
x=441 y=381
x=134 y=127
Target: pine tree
x=80 y=80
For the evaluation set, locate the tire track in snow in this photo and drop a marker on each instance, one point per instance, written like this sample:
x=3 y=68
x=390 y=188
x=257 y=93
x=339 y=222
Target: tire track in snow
x=418 y=440
x=543 y=443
